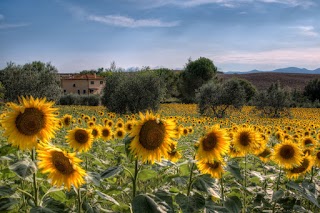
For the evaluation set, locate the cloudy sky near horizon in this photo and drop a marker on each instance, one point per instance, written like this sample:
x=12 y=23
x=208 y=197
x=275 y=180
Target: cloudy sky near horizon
x=238 y=35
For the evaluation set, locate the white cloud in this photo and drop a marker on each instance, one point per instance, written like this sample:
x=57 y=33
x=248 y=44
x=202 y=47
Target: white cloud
x=124 y=21
x=306 y=31
x=1 y=17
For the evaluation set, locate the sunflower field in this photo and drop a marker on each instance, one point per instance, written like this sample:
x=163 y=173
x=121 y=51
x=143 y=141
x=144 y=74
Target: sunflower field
x=86 y=159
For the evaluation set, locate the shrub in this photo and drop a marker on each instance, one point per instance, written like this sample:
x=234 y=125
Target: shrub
x=70 y=99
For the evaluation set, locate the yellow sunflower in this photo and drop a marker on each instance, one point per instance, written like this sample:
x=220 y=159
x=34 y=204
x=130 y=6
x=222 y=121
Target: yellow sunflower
x=235 y=153
x=119 y=133
x=67 y=120
x=128 y=126
x=173 y=154
x=304 y=168
x=287 y=155
x=32 y=120
x=317 y=159
x=265 y=155
x=215 y=168
x=95 y=131
x=213 y=145
x=119 y=123
x=152 y=138
x=106 y=133
x=80 y=139
x=63 y=167
x=308 y=143
x=246 y=140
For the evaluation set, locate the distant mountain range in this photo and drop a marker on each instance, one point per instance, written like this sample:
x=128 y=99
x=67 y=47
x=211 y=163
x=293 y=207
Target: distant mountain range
x=282 y=70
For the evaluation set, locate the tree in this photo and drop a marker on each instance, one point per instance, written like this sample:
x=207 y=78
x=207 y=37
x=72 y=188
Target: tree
x=37 y=79
x=2 y=91
x=168 y=80
x=249 y=89
x=312 y=90
x=216 y=98
x=132 y=92
x=273 y=101
x=196 y=73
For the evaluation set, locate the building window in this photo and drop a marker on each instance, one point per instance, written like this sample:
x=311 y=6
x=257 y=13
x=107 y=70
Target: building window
x=92 y=82
x=78 y=91
x=74 y=85
x=84 y=91
x=64 y=91
x=101 y=82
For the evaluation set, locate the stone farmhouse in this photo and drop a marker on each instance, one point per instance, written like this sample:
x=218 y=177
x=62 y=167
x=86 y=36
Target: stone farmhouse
x=81 y=84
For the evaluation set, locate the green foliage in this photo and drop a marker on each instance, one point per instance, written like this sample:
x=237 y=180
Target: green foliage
x=70 y=99
x=273 y=101
x=132 y=92
x=312 y=90
x=168 y=80
x=37 y=79
x=196 y=74
x=2 y=91
x=216 y=98
x=249 y=89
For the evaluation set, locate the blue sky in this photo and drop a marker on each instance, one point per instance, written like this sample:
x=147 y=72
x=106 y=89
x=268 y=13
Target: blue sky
x=238 y=35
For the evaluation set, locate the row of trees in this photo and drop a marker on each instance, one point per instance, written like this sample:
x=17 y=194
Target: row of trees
x=146 y=89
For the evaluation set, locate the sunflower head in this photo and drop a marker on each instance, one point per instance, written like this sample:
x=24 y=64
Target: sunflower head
x=173 y=154
x=215 y=168
x=306 y=166
x=213 y=145
x=62 y=167
x=247 y=140
x=287 y=155
x=152 y=138
x=119 y=133
x=80 y=139
x=67 y=120
x=32 y=120
x=106 y=133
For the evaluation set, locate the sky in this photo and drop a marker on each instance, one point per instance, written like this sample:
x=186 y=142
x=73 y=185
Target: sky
x=237 y=35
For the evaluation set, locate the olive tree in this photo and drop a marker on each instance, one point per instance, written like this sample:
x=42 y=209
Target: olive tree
x=273 y=101
x=132 y=92
x=215 y=98
x=37 y=79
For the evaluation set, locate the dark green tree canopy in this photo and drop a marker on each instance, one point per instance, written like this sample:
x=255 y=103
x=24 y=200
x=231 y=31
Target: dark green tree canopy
x=312 y=90
x=196 y=73
x=37 y=79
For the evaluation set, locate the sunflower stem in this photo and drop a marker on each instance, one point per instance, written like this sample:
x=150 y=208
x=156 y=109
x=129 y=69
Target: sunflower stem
x=79 y=200
x=312 y=174
x=34 y=177
x=245 y=184
x=277 y=188
x=190 y=180
x=222 y=189
x=134 y=180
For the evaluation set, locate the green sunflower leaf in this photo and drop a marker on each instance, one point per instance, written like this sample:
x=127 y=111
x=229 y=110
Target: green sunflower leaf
x=190 y=204
x=144 y=203
x=24 y=168
x=111 y=171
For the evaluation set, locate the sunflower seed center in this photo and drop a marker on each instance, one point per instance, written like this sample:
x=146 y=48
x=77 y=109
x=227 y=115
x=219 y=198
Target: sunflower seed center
x=287 y=152
x=152 y=134
x=210 y=141
x=244 y=138
x=62 y=163
x=81 y=136
x=30 y=122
